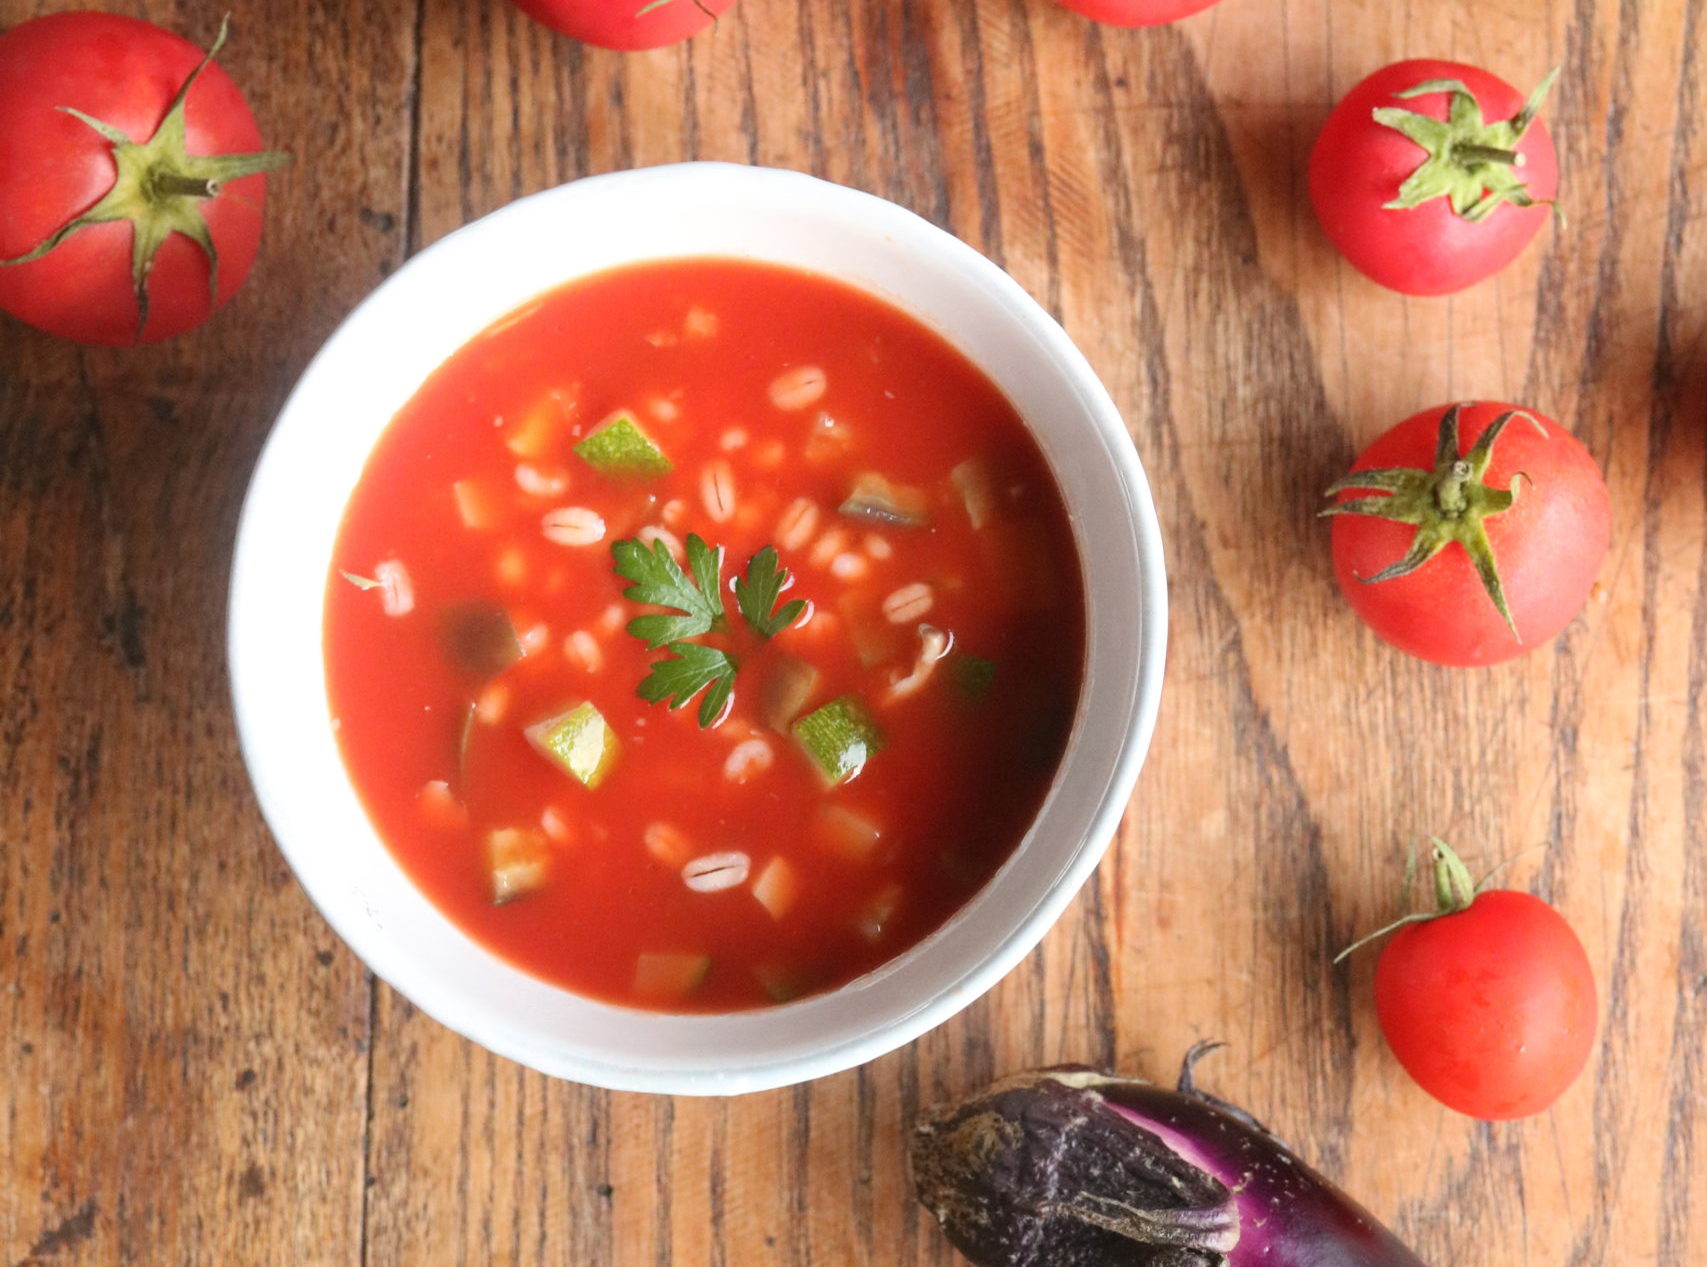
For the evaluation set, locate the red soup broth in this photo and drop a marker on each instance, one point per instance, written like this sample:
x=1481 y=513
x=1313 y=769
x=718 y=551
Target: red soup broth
x=876 y=761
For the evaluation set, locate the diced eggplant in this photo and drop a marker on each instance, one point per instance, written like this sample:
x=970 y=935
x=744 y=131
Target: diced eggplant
x=480 y=639
x=579 y=742
x=875 y=639
x=788 y=688
x=839 y=738
x=971 y=479
x=669 y=976
x=971 y=675
x=517 y=861
x=876 y=500
x=619 y=448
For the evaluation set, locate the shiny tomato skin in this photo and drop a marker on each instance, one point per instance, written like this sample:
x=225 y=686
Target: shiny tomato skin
x=621 y=24
x=53 y=167
x=1136 y=12
x=1357 y=166
x=1549 y=545
x=1491 y=1010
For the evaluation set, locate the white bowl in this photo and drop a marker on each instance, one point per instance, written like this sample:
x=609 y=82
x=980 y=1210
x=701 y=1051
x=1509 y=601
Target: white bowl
x=425 y=312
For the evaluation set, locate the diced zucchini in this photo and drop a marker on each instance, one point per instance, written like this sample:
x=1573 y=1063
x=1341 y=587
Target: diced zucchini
x=517 y=861
x=620 y=449
x=788 y=686
x=777 y=887
x=669 y=976
x=839 y=738
x=875 y=500
x=480 y=639
x=971 y=479
x=846 y=832
x=579 y=742
x=971 y=675
x=781 y=983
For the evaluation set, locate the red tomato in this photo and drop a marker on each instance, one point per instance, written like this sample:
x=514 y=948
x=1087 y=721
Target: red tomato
x=54 y=168
x=1538 y=505
x=1448 y=234
x=626 y=25
x=1491 y=1009
x=1136 y=12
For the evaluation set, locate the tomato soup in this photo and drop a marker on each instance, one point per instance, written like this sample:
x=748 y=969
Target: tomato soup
x=704 y=634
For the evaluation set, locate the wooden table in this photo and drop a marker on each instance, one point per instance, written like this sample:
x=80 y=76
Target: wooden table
x=197 y=1071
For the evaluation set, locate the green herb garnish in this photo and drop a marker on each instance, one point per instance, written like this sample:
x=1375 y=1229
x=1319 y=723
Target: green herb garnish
x=757 y=592
x=696 y=599
x=659 y=580
x=693 y=669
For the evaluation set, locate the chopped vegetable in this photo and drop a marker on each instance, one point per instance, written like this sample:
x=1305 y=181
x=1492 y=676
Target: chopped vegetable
x=777 y=887
x=669 y=976
x=480 y=639
x=971 y=479
x=619 y=448
x=579 y=742
x=517 y=858
x=532 y=437
x=874 y=921
x=780 y=983
x=787 y=690
x=694 y=669
x=756 y=594
x=1069 y=1165
x=971 y=675
x=847 y=832
x=874 y=638
x=476 y=504
x=659 y=580
x=839 y=738
x=876 y=500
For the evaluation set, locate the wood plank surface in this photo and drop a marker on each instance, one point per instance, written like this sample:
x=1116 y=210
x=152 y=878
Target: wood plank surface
x=194 y=1070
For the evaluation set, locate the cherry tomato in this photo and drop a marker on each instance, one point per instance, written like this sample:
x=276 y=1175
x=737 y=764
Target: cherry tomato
x=1469 y=534
x=163 y=149
x=1136 y=12
x=1490 y=1009
x=626 y=25
x=1430 y=191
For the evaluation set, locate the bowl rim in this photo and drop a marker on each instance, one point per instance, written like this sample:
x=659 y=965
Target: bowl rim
x=373 y=946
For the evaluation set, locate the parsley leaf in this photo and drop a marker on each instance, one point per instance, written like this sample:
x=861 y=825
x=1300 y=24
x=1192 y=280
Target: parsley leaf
x=695 y=669
x=659 y=580
x=757 y=592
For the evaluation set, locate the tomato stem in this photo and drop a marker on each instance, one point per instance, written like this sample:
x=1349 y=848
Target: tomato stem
x=1471 y=153
x=169 y=184
x=1454 y=891
x=1450 y=502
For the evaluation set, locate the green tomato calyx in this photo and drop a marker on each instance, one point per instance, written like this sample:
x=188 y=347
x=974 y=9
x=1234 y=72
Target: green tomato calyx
x=159 y=189
x=1450 y=503
x=1454 y=891
x=1473 y=164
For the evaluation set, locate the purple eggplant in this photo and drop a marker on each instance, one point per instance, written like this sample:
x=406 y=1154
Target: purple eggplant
x=1068 y=1167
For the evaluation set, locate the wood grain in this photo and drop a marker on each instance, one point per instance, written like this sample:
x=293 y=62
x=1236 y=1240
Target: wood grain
x=199 y=1072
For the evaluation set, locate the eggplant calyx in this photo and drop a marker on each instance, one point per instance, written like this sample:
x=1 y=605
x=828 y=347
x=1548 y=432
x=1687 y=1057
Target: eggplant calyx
x=1473 y=164
x=1040 y=1169
x=1454 y=891
x=1450 y=503
x=159 y=189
